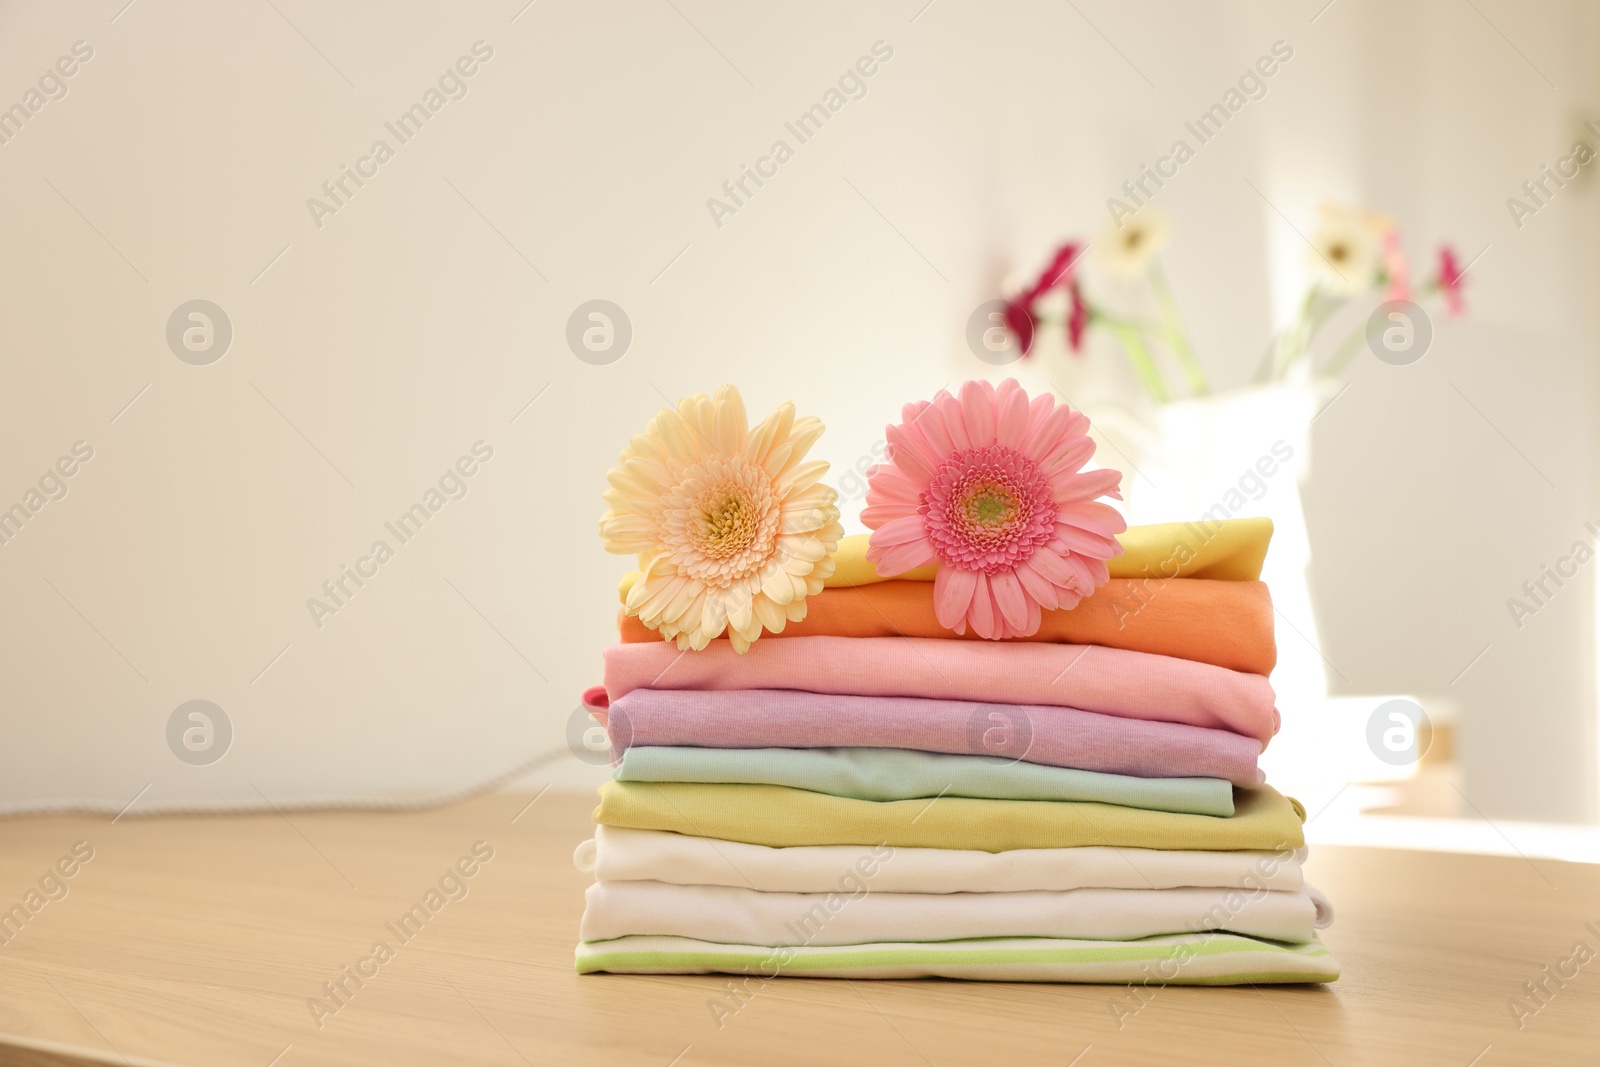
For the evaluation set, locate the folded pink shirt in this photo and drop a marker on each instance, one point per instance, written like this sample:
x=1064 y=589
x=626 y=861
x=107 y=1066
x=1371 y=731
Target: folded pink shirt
x=1113 y=681
x=1056 y=737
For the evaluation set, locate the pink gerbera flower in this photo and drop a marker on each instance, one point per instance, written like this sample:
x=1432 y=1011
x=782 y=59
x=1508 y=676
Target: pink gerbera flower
x=989 y=486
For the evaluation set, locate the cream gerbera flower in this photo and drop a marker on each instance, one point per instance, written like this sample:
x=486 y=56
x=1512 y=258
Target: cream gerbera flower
x=1346 y=249
x=732 y=527
x=1126 y=249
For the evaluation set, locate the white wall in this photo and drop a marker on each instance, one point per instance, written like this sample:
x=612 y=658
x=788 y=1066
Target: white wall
x=432 y=307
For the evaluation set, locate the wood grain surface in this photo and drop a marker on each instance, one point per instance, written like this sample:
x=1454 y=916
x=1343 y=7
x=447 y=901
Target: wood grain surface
x=207 y=941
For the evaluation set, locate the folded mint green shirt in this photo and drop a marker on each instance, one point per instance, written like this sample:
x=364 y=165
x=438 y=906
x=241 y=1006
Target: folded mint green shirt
x=901 y=774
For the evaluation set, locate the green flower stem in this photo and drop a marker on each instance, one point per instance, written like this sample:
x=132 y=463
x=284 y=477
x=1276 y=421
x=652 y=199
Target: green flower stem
x=1138 y=354
x=1131 y=337
x=1176 y=336
x=1296 y=340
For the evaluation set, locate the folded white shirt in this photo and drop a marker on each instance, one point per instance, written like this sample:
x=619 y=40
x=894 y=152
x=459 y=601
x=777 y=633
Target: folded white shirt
x=746 y=916
x=618 y=854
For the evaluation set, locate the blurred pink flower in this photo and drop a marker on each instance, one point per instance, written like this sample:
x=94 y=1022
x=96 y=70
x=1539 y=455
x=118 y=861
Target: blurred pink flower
x=1019 y=320
x=989 y=486
x=1450 y=280
x=1019 y=314
x=1078 y=320
x=1395 y=267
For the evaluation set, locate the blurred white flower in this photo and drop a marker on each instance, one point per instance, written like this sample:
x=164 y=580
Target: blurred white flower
x=1125 y=251
x=1347 y=249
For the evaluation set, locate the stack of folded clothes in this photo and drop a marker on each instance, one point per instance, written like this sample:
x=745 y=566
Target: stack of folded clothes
x=1057 y=788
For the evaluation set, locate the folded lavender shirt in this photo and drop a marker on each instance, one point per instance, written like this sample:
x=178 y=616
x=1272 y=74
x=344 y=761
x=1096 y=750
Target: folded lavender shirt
x=1115 y=681
x=1056 y=737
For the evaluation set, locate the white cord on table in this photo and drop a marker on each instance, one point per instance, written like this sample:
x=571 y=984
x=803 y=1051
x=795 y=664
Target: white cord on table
x=368 y=802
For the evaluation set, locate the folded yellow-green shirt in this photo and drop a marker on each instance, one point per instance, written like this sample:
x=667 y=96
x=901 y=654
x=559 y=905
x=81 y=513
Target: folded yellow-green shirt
x=781 y=817
x=1230 y=550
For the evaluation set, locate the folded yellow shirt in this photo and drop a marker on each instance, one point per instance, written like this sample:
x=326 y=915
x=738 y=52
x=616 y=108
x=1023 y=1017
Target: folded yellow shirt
x=1230 y=550
x=781 y=817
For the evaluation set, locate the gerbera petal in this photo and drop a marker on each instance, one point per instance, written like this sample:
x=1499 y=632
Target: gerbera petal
x=977 y=406
x=886 y=484
x=695 y=411
x=800 y=477
x=768 y=614
x=650 y=595
x=897 y=559
x=903 y=452
x=953 y=419
x=1083 y=542
x=729 y=420
x=1051 y=564
x=1036 y=585
x=910 y=528
x=775 y=583
x=1009 y=597
x=714 y=613
x=981 y=612
x=1011 y=419
x=802 y=435
x=876 y=515
x=1094 y=516
x=1046 y=430
x=952 y=594
x=1035 y=618
x=910 y=412
x=632 y=481
x=931 y=424
x=1083 y=573
x=800 y=547
x=740 y=609
x=678 y=441
x=1086 y=485
x=1068 y=458
x=775 y=428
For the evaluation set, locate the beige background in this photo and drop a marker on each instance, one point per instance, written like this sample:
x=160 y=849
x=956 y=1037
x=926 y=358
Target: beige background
x=370 y=353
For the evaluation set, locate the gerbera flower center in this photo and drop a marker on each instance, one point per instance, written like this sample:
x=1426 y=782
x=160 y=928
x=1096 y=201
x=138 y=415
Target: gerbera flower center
x=720 y=522
x=988 y=509
x=728 y=522
x=991 y=506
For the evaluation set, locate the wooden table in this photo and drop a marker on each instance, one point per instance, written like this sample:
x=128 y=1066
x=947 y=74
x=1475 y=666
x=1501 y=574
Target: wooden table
x=204 y=941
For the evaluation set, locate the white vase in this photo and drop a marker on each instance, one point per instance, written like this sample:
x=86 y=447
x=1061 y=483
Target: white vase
x=1240 y=453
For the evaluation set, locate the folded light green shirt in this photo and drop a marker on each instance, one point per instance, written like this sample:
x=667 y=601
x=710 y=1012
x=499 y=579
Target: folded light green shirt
x=902 y=774
x=1174 y=959
x=780 y=816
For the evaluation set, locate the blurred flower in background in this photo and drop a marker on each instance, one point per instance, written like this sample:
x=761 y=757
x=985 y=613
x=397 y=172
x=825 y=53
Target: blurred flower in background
x=1354 y=255
x=1021 y=312
x=1450 y=280
x=1345 y=247
x=1397 y=272
x=1127 y=251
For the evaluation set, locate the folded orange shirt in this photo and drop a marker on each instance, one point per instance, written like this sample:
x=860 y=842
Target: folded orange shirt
x=1225 y=623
